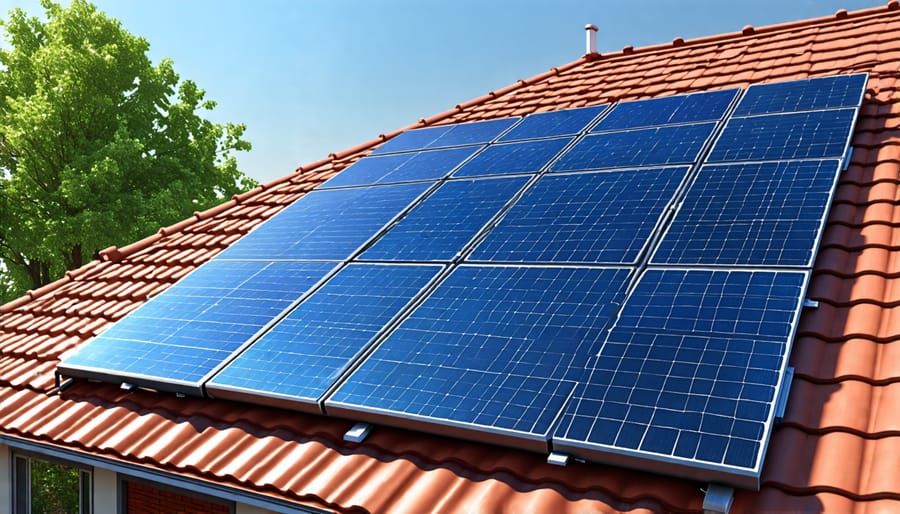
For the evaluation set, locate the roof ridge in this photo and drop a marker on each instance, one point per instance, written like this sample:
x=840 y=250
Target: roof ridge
x=749 y=30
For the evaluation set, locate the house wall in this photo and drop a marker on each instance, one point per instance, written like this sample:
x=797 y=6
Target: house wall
x=142 y=498
x=106 y=490
x=5 y=480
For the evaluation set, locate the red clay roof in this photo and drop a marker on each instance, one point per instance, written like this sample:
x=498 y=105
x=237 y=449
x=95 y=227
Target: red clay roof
x=837 y=451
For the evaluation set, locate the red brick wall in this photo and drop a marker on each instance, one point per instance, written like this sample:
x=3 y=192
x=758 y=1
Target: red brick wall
x=146 y=499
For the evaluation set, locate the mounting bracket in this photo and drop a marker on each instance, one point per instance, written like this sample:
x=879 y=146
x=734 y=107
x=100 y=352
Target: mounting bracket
x=558 y=459
x=718 y=499
x=358 y=433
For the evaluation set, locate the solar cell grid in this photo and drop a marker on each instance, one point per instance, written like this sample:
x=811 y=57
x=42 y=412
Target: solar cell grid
x=404 y=167
x=439 y=227
x=554 y=123
x=802 y=95
x=416 y=139
x=474 y=132
x=691 y=108
x=181 y=335
x=805 y=135
x=679 y=144
x=303 y=355
x=767 y=214
x=522 y=157
x=690 y=369
x=326 y=224
x=492 y=346
x=600 y=217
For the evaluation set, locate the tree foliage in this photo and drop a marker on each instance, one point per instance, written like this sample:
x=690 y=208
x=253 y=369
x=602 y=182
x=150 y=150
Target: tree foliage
x=98 y=146
x=54 y=488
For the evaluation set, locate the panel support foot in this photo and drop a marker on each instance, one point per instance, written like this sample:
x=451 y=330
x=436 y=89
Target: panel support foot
x=558 y=459
x=718 y=499
x=358 y=433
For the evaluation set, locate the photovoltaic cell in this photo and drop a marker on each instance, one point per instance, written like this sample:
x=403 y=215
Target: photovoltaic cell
x=805 y=135
x=678 y=144
x=303 y=355
x=477 y=132
x=690 y=371
x=600 y=217
x=439 y=227
x=523 y=157
x=554 y=123
x=404 y=167
x=803 y=95
x=671 y=109
x=490 y=349
x=326 y=224
x=766 y=214
x=181 y=335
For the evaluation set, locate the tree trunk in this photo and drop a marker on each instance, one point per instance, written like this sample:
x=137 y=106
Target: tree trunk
x=38 y=272
x=74 y=259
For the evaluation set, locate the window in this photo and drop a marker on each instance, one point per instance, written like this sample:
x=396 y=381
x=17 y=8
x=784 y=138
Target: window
x=50 y=487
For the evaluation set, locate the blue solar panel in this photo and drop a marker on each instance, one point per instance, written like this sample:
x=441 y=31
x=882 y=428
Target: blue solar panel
x=439 y=227
x=678 y=144
x=327 y=224
x=183 y=334
x=671 y=109
x=805 y=135
x=490 y=349
x=554 y=123
x=690 y=371
x=416 y=139
x=803 y=95
x=404 y=167
x=449 y=135
x=601 y=217
x=301 y=357
x=524 y=157
x=769 y=214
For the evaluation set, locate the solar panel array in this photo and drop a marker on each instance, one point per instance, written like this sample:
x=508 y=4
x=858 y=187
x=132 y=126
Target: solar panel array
x=621 y=283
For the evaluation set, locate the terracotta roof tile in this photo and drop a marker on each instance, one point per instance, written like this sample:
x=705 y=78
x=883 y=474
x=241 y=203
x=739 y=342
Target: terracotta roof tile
x=836 y=450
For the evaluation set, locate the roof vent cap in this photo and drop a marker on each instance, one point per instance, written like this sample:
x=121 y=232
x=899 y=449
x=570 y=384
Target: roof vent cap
x=590 y=47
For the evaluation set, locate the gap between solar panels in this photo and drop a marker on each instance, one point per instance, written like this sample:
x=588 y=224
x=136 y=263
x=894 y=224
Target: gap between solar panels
x=621 y=283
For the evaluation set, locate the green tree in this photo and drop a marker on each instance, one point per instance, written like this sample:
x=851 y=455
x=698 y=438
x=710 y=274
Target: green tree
x=54 y=488
x=98 y=146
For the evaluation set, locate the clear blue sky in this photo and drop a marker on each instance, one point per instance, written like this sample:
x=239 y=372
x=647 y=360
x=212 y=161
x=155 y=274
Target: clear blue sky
x=311 y=77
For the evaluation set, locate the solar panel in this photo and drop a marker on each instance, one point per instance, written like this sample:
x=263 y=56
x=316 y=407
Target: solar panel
x=706 y=106
x=805 y=135
x=598 y=217
x=803 y=95
x=523 y=157
x=326 y=225
x=554 y=123
x=177 y=338
x=416 y=139
x=488 y=354
x=679 y=144
x=404 y=167
x=689 y=375
x=765 y=214
x=448 y=135
x=439 y=227
x=298 y=360
x=544 y=324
